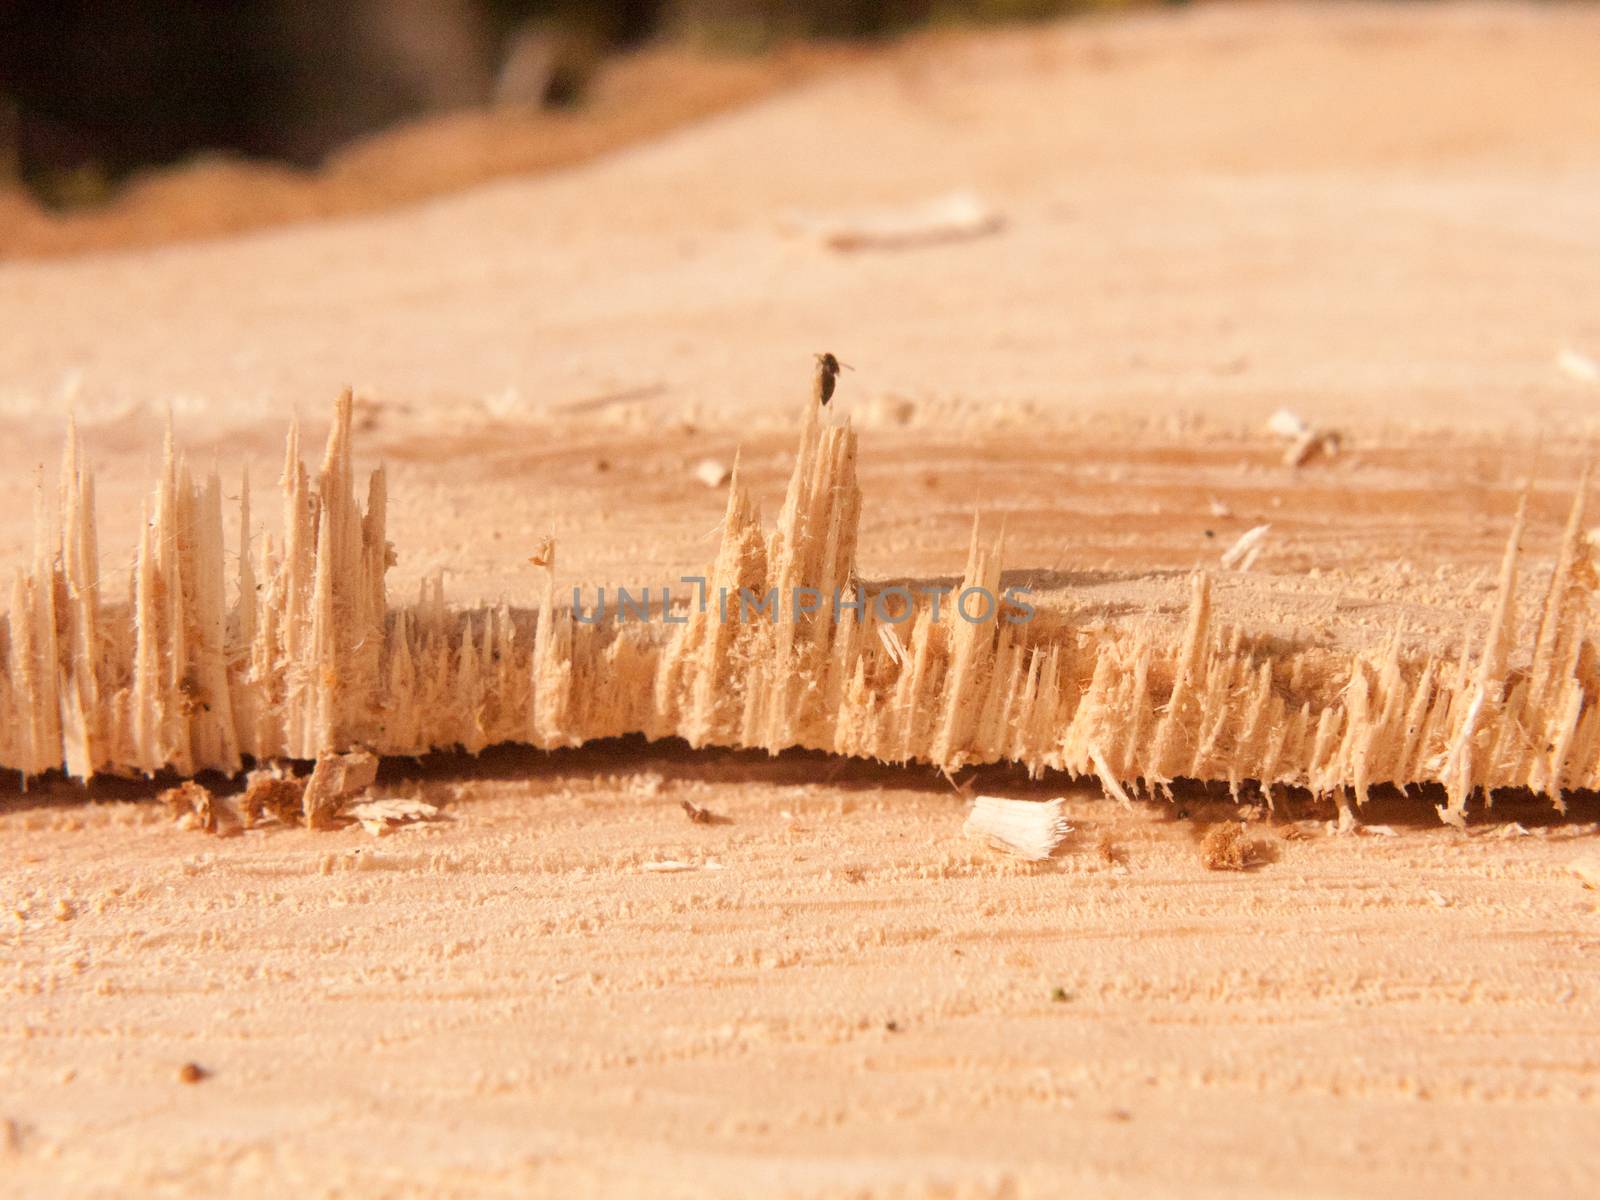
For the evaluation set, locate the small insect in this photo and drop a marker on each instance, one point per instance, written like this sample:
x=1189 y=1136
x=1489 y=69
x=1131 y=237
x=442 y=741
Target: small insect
x=827 y=376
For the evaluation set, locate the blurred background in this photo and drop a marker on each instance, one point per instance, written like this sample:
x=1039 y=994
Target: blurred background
x=93 y=92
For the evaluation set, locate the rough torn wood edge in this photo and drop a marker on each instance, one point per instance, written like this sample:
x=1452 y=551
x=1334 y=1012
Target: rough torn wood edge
x=306 y=654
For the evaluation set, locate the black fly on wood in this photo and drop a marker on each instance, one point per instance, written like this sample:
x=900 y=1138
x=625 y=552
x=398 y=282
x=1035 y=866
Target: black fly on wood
x=827 y=376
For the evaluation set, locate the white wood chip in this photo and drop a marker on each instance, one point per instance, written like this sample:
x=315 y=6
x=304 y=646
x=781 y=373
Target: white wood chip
x=1288 y=425
x=1030 y=829
x=712 y=472
x=892 y=644
x=1242 y=553
x=954 y=217
x=377 y=817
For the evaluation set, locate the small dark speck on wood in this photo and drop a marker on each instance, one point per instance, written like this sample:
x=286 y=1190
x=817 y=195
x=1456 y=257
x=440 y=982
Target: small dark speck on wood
x=703 y=816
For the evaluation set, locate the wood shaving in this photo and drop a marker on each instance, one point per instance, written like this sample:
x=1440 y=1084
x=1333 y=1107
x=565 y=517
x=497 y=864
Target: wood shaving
x=892 y=645
x=1310 y=444
x=378 y=817
x=712 y=472
x=1242 y=554
x=1029 y=829
x=336 y=779
x=668 y=866
x=1305 y=440
x=955 y=217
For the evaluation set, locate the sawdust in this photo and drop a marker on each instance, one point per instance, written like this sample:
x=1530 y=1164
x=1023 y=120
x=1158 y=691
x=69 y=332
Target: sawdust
x=272 y=793
x=1228 y=847
x=519 y=970
x=192 y=805
x=1109 y=851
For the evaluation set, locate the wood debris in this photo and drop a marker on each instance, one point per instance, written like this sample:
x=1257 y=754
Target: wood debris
x=1110 y=853
x=271 y=793
x=1029 y=829
x=1244 y=552
x=712 y=472
x=957 y=216
x=190 y=804
x=1287 y=424
x=1305 y=441
x=335 y=780
x=702 y=816
x=378 y=817
x=195 y=806
x=1587 y=869
x=1227 y=847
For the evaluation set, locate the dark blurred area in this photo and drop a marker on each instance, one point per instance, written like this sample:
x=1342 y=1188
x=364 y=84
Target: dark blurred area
x=92 y=91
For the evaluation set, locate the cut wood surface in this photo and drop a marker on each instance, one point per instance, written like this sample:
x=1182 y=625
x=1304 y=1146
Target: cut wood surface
x=778 y=644
x=1379 y=219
